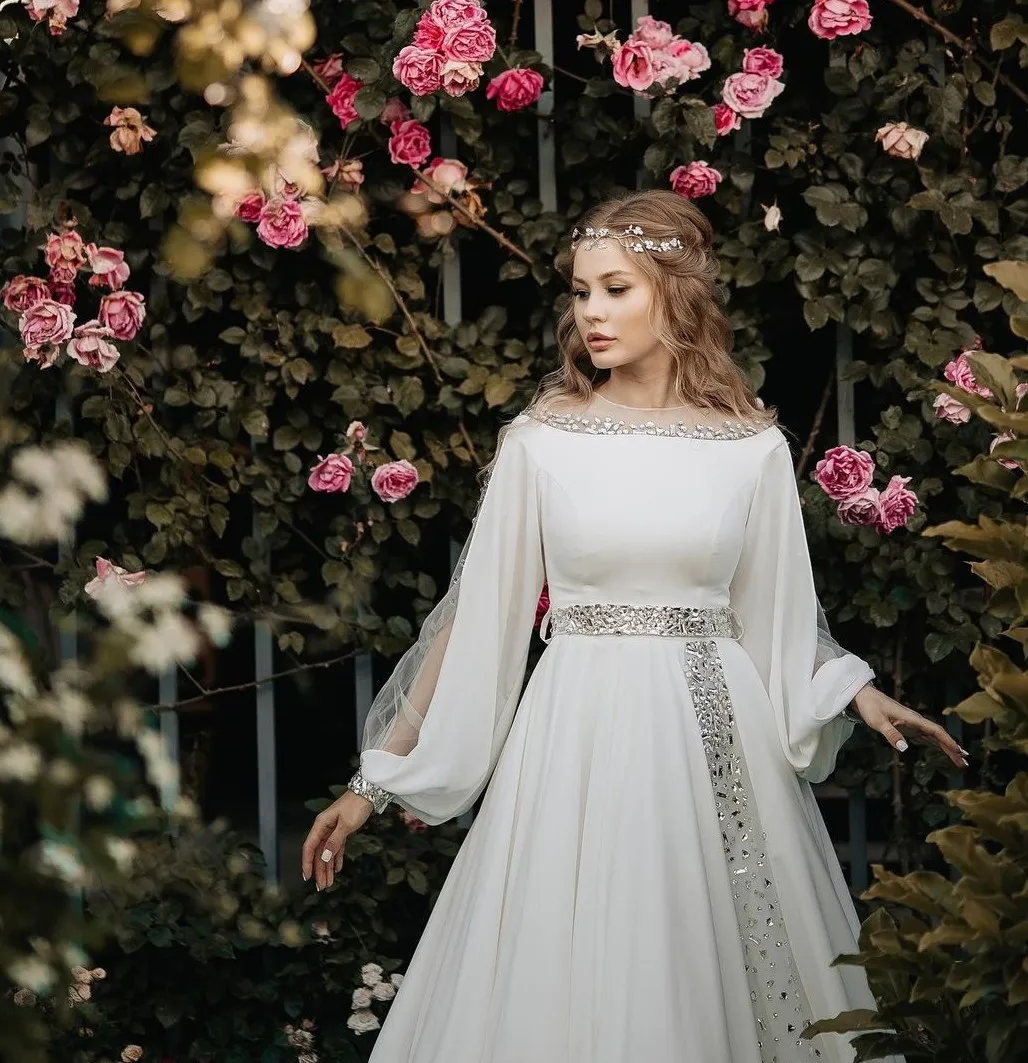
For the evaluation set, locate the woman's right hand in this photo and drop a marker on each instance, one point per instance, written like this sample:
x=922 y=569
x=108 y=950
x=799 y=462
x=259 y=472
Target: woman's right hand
x=326 y=840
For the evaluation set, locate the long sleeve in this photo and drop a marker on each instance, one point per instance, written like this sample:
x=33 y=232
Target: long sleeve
x=435 y=730
x=809 y=678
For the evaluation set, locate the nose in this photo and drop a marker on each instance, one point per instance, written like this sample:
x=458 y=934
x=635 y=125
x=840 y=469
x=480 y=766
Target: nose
x=594 y=309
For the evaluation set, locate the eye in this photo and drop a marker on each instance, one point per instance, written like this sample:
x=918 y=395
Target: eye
x=580 y=294
x=617 y=290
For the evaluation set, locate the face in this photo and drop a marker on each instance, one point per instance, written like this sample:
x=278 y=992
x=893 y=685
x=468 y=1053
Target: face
x=612 y=298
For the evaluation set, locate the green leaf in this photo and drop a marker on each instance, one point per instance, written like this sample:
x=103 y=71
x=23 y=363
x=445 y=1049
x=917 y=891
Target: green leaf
x=369 y=102
x=153 y=201
x=512 y=269
x=366 y=70
x=408 y=395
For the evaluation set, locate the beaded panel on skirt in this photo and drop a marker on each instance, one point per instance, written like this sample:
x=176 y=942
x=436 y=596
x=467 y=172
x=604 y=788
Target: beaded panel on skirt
x=780 y=1006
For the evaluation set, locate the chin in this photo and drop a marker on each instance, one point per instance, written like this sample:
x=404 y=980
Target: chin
x=606 y=359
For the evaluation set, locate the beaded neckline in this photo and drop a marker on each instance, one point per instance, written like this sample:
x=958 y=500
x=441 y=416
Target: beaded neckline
x=611 y=426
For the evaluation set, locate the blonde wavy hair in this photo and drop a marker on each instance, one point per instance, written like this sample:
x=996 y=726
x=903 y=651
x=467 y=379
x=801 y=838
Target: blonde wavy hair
x=686 y=313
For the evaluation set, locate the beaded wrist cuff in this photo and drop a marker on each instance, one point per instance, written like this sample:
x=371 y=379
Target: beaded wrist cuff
x=375 y=794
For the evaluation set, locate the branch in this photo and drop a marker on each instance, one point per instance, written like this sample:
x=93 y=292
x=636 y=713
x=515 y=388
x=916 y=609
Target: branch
x=474 y=219
x=965 y=46
x=515 y=19
x=254 y=683
x=815 y=428
x=412 y=325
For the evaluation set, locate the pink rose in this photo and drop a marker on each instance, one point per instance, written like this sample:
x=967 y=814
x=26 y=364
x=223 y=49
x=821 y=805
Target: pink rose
x=65 y=254
x=834 y=18
x=429 y=33
x=46 y=323
x=958 y=371
x=861 y=509
x=1020 y=392
x=413 y=824
x=123 y=313
x=394 y=480
x=543 y=605
x=451 y=13
x=107 y=572
x=419 y=70
x=949 y=409
x=749 y=13
x=763 y=61
x=356 y=432
x=348 y=173
x=515 y=89
x=282 y=223
x=695 y=180
x=750 y=94
x=896 y=505
x=1005 y=437
x=63 y=293
x=92 y=348
x=21 y=292
x=44 y=356
x=725 y=119
x=332 y=473
x=108 y=265
x=448 y=175
x=250 y=206
x=395 y=110
x=901 y=141
x=681 y=60
x=340 y=99
x=844 y=472
x=633 y=65
x=652 y=31
x=330 y=69
x=129 y=131
x=470 y=42
x=459 y=78
x=410 y=143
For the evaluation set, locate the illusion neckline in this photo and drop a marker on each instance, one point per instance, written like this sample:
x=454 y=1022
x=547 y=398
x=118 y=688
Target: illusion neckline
x=640 y=409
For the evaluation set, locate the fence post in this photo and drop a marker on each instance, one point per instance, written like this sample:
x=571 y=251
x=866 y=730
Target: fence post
x=267 y=767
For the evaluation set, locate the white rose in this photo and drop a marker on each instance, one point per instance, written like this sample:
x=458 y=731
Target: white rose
x=363 y=1021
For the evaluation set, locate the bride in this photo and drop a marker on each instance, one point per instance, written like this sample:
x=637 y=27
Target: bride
x=649 y=877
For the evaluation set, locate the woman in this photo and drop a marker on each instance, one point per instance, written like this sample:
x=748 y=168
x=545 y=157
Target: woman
x=649 y=877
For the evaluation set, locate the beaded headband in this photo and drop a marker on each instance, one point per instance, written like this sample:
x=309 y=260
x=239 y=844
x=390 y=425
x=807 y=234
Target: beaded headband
x=633 y=239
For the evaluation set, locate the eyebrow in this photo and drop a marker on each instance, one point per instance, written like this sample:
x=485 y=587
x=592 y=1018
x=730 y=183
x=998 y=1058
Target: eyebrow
x=603 y=276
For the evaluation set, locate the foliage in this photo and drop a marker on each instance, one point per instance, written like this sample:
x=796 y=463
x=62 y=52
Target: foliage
x=73 y=741
x=207 y=960
x=952 y=979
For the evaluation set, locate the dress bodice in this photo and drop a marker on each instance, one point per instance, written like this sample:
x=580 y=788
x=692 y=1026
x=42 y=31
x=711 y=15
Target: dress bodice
x=643 y=512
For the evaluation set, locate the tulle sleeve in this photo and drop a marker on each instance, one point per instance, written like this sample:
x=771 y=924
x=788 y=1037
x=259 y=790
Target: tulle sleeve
x=809 y=677
x=436 y=728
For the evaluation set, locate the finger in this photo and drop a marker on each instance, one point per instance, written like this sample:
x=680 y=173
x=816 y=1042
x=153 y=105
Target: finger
x=314 y=844
x=324 y=873
x=893 y=737
x=940 y=737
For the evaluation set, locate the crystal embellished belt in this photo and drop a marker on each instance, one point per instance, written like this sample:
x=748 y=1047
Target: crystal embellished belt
x=672 y=620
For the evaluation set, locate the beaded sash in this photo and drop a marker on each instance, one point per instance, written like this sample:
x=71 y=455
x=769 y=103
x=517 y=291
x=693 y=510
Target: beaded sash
x=671 y=620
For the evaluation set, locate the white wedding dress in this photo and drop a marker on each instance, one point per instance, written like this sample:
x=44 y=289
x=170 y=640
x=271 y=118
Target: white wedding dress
x=649 y=877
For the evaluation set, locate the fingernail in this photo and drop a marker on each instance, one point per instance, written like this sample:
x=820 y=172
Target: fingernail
x=317 y=887
x=964 y=751
x=901 y=745
x=326 y=855
x=305 y=876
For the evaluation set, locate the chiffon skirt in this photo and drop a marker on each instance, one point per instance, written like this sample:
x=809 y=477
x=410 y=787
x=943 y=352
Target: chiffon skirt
x=647 y=879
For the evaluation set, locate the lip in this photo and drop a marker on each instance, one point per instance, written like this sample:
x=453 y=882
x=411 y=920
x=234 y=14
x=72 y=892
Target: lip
x=598 y=339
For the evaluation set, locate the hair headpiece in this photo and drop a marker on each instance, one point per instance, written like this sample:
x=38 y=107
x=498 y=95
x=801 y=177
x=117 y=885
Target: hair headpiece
x=632 y=238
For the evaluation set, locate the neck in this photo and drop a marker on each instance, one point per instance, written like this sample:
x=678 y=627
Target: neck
x=654 y=394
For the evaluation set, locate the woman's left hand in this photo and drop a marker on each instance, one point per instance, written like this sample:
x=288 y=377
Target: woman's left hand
x=891 y=720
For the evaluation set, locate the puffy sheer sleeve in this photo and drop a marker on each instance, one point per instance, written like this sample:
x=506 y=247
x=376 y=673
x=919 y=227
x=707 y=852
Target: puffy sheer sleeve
x=436 y=728
x=810 y=679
